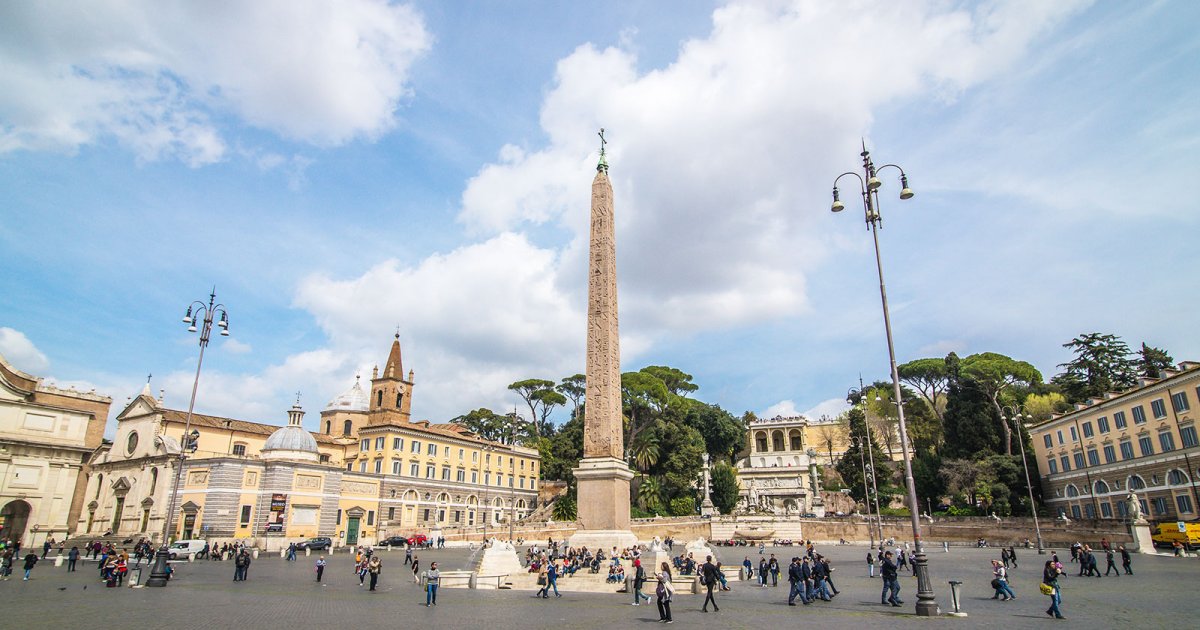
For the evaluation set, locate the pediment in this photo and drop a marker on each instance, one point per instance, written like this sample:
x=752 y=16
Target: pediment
x=121 y=485
x=356 y=512
x=190 y=507
x=147 y=503
x=140 y=406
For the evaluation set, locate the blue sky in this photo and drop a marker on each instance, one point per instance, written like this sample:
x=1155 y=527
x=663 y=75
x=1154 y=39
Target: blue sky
x=338 y=170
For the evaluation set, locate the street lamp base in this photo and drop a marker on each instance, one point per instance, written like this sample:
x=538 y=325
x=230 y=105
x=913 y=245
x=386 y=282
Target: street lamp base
x=159 y=574
x=926 y=602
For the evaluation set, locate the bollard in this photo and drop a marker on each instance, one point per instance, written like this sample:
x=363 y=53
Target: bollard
x=307 y=552
x=628 y=582
x=58 y=560
x=945 y=546
x=254 y=553
x=282 y=553
x=473 y=582
x=742 y=574
x=135 y=578
x=955 y=601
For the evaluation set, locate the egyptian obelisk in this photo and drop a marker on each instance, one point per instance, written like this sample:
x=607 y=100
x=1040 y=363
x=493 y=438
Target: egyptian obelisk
x=603 y=476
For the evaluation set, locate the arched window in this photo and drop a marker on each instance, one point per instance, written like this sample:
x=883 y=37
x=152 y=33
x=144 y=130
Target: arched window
x=346 y=427
x=1101 y=487
x=153 y=479
x=239 y=448
x=1136 y=483
x=379 y=398
x=399 y=399
x=1176 y=477
x=1072 y=491
x=797 y=444
x=99 y=487
x=760 y=442
x=777 y=440
x=328 y=427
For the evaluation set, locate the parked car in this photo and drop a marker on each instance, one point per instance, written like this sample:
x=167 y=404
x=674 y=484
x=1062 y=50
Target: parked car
x=320 y=542
x=185 y=548
x=393 y=541
x=417 y=539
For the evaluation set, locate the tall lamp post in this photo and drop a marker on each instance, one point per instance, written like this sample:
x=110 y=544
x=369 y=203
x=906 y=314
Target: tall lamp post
x=1015 y=414
x=197 y=310
x=869 y=185
x=487 y=507
x=861 y=444
x=512 y=488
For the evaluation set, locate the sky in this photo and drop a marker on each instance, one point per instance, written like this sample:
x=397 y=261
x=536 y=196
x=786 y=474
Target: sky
x=343 y=171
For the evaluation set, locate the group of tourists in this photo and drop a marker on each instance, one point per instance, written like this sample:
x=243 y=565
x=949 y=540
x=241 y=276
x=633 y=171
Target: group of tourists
x=368 y=568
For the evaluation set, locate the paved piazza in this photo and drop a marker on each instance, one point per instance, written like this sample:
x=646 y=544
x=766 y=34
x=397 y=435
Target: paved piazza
x=282 y=594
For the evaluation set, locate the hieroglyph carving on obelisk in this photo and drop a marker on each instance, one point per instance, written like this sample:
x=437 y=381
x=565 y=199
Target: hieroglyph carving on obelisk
x=602 y=421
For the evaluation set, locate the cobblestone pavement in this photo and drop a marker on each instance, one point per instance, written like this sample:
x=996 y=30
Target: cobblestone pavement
x=285 y=594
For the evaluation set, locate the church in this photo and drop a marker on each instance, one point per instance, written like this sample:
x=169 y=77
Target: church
x=368 y=473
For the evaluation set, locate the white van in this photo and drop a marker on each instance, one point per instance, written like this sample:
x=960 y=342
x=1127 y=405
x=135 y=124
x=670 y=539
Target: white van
x=185 y=548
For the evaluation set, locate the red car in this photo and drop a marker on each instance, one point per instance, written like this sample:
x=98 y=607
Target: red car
x=417 y=539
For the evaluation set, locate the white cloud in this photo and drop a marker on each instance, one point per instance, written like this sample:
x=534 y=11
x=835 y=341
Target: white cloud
x=831 y=408
x=783 y=408
x=19 y=351
x=157 y=76
x=235 y=346
x=720 y=161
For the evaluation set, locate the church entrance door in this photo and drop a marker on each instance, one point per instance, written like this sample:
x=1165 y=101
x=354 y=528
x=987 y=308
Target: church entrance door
x=352 y=531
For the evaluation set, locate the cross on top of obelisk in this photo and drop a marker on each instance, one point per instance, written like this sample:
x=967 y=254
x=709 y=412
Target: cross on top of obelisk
x=603 y=164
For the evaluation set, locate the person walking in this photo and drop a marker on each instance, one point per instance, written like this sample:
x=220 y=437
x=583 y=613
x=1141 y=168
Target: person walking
x=360 y=569
x=1004 y=556
x=828 y=572
x=122 y=569
x=320 y=567
x=749 y=567
x=1050 y=578
x=544 y=582
x=664 y=591
x=903 y=563
x=30 y=560
x=762 y=572
x=773 y=566
x=870 y=564
x=416 y=571
x=72 y=558
x=241 y=566
x=1000 y=582
x=552 y=579
x=374 y=567
x=46 y=546
x=432 y=579
x=797 y=581
x=639 y=581
x=291 y=552
x=1126 y=560
x=1012 y=556
x=820 y=585
x=708 y=574
x=1112 y=566
x=408 y=557
x=891 y=584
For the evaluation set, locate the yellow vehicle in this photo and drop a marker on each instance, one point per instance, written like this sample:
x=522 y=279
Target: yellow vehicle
x=1186 y=533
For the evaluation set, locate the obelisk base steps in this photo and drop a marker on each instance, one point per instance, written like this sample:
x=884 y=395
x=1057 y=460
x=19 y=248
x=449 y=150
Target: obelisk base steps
x=602 y=498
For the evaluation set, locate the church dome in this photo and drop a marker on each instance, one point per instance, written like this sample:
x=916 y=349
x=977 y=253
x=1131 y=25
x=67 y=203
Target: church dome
x=353 y=399
x=292 y=441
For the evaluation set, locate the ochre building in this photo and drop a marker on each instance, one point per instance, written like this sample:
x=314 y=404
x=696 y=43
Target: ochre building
x=370 y=472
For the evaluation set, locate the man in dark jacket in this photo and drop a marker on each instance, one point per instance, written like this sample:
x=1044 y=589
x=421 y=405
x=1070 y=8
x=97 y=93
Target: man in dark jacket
x=708 y=572
x=639 y=581
x=798 y=583
x=773 y=567
x=891 y=584
x=1126 y=561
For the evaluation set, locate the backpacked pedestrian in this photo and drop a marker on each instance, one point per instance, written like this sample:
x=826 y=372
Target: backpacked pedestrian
x=1000 y=582
x=664 y=591
x=708 y=575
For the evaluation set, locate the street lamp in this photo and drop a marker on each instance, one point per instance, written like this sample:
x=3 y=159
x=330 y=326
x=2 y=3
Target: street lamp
x=1015 y=413
x=869 y=185
x=512 y=487
x=860 y=445
x=198 y=310
x=869 y=469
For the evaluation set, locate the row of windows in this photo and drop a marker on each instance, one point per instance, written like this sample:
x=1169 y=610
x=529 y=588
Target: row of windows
x=1179 y=402
x=1183 y=505
x=431 y=450
x=460 y=475
x=1166 y=442
x=1175 y=477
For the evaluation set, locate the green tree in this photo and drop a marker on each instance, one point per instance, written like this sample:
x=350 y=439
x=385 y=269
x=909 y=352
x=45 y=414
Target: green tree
x=563 y=451
x=1152 y=361
x=683 y=506
x=831 y=433
x=970 y=423
x=723 y=434
x=677 y=382
x=565 y=508
x=679 y=466
x=645 y=450
x=575 y=388
x=931 y=378
x=644 y=397
x=649 y=494
x=1102 y=364
x=724 y=487
x=996 y=374
x=850 y=466
x=484 y=423
x=548 y=400
x=1042 y=406
x=528 y=390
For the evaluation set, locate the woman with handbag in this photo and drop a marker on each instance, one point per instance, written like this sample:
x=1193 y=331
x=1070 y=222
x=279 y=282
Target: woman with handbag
x=1051 y=588
x=1000 y=582
x=544 y=583
x=664 y=592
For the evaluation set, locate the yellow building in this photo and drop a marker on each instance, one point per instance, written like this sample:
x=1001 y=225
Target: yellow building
x=1142 y=440
x=369 y=473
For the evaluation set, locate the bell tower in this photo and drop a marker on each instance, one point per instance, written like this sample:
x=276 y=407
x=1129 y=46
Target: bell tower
x=391 y=393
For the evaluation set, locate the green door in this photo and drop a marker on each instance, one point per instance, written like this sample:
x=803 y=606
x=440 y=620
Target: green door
x=352 y=531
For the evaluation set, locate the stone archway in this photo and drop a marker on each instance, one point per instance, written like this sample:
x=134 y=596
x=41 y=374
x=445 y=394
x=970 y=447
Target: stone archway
x=14 y=517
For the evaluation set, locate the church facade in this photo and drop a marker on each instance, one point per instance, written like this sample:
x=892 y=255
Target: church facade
x=369 y=472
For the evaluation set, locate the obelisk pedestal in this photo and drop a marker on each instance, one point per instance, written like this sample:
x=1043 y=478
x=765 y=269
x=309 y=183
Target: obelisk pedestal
x=603 y=476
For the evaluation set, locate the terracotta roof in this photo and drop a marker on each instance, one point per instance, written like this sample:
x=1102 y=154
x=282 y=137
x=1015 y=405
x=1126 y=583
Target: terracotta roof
x=244 y=426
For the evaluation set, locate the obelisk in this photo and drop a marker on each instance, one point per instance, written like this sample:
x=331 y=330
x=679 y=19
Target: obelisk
x=603 y=476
